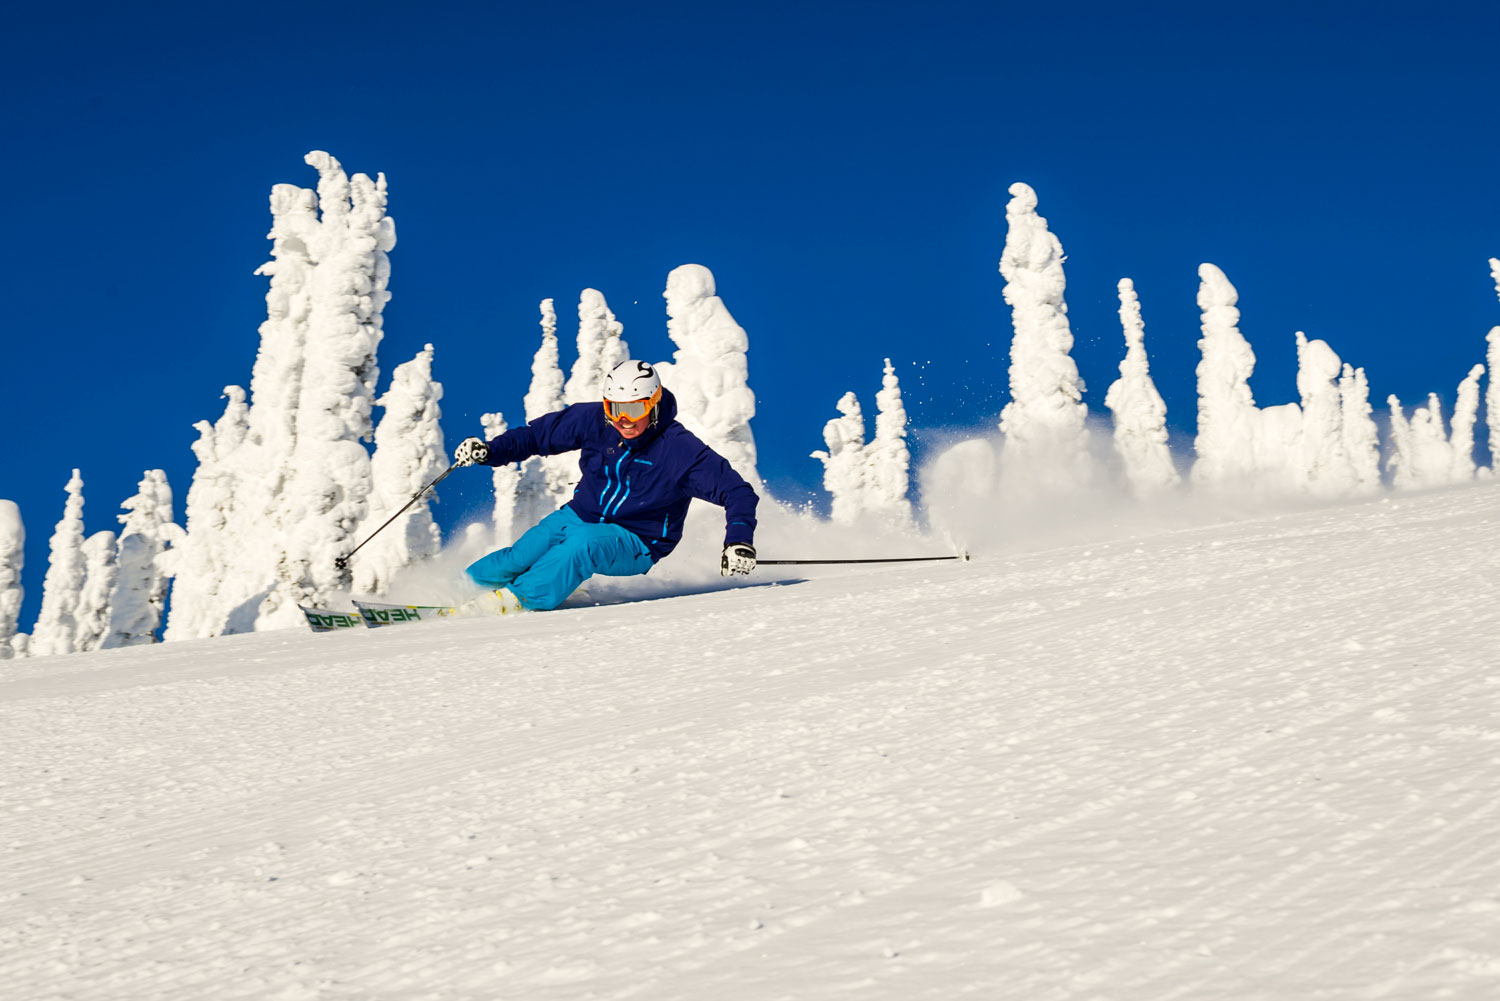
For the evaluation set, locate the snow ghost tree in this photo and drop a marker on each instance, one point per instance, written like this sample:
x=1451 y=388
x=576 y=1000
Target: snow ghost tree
x=297 y=484
x=869 y=479
x=1361 y=437
x=101 y=572
x=844 y=461
x=1323 y=464
x=211 y=569
x=1492 y=394
x=1139 y=412
x=1422 y=453
x=1465 y=414
x=600 y=349
x=409 y=454
x=547 y=481
x=1238 y=445
x=1046 y=438
x=507 y=481
x=1226 y=409
x=56 y=628
x=887 y=458
x=326 y=499
x=12 y=559
x=710 y=374
x=140 y=594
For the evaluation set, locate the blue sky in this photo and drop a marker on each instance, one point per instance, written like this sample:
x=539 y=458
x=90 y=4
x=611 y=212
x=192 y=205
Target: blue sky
x=841 y=167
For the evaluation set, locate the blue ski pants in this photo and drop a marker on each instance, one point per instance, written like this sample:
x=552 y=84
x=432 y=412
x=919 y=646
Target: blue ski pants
x=560 y=552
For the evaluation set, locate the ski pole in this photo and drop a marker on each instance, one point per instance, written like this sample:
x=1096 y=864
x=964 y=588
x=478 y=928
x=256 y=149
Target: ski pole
x=893 y=559
x=342 y=562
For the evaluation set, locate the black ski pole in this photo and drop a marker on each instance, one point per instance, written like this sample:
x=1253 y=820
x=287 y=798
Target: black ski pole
x=893 y=559
x=342 y=562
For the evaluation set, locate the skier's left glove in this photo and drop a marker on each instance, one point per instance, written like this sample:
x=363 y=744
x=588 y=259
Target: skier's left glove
x=739 y=557
x=470 y=452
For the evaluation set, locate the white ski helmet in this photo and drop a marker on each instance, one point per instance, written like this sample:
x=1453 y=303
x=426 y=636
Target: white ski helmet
x=631 y=380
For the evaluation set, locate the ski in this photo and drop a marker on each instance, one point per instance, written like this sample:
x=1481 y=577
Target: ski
x=376 y=614
x=322 y=620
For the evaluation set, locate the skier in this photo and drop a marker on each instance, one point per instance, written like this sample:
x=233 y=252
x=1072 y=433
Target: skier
x=640 y=471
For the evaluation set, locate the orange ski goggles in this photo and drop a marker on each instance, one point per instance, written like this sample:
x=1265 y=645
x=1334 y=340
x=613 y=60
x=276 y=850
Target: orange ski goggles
x=632 y=410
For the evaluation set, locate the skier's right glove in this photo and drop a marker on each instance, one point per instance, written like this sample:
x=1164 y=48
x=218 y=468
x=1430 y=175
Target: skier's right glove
x=470 y=452
x=738 y=558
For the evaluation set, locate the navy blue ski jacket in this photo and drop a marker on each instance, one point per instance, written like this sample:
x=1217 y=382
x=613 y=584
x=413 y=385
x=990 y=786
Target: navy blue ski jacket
x=644 y=484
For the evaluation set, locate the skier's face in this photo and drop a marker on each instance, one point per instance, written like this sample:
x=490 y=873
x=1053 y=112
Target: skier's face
x=631 y=428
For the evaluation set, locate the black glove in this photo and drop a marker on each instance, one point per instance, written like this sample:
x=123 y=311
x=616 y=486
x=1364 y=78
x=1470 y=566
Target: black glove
x=739 y=557
x=470 y=452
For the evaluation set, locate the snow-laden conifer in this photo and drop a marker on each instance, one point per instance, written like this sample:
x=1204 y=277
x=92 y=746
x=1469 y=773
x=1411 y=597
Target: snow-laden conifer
x=887 y=458
x=101 y=574
x=546 y=481
x=327 y=498
x=1234 y=440
x=1361 y=437
x=1399 y=461
x=1322 y=465
x=709 y=373
x=140 y=594
x=409 y=454
x=1423 y=453
x=216 y=566
x=56 y=629
x=601 y=347
x=845 y=472
x=1140 y=414
x=1492 y=393
x=1465 y=414
x=506 y=481
x=545 y=393
x=12 y=559
x=1046 y=439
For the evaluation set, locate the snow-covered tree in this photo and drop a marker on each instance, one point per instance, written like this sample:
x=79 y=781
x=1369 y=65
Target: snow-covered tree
x=12 y=559
x=600 y=348
x=1492 y=392
x=710 y=374
x=869 y=479
x=546 y=481
x=140 y=594
x=1227 y=416
x=887 y=458
x=56 y=629
x=213 y=571
x=299 y=480
x=1139 y=412
x=1465 y=414
x=845 y=475
x=1323 y=465
x=507 y=482
x=1423 y=454
x=1046 y=439
x=101 y=574
x=326 y=500
x=409 y=454
x=1361 y=437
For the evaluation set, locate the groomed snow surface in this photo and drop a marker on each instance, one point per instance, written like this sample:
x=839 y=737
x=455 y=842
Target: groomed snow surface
x=1251 y=760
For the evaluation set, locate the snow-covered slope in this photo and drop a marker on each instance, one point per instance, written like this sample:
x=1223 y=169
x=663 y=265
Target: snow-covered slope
x=1252 y=760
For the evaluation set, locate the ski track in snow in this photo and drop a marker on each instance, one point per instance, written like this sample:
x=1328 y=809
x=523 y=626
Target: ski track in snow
x=1254 y=760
